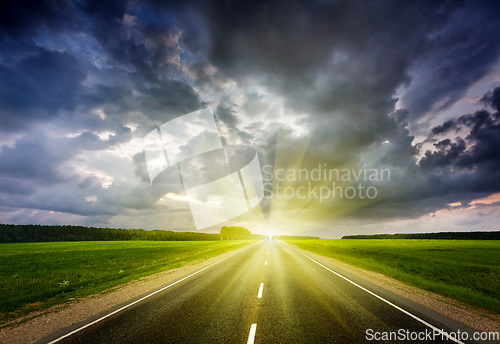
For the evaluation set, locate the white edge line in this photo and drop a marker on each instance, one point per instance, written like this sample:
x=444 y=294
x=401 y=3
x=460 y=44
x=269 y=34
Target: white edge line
x=260 y=291
x=388 y=302
x=251 y=335
x=133 y=303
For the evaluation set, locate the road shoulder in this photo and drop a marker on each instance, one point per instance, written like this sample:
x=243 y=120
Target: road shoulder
x=475 y=318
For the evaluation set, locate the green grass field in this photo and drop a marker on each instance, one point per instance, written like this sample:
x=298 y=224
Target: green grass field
x=39 y=275
x=465 y=270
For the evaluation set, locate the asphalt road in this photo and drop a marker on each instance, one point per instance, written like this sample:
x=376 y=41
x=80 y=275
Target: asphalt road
x=286 y=296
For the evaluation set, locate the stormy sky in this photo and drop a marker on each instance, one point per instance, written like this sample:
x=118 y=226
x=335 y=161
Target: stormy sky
x=412 y=87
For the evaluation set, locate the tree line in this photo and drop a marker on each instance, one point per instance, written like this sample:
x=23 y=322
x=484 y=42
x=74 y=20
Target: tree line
x=439 y=235
x=48 y=233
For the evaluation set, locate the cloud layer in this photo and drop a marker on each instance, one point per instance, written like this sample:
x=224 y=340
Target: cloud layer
x=344 y=84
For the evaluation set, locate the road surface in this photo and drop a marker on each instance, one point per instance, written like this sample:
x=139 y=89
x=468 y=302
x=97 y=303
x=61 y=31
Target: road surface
x=268 y=292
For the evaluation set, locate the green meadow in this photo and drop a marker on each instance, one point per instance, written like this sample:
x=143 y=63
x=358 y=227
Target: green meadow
x=39 y=275
x=465 y=270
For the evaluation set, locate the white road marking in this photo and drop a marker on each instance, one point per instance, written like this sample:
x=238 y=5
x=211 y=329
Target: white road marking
x=133 y=303
x=388 y=302
x=260 y=291
x=251 y=335
x=265 y=263
x=267 y=253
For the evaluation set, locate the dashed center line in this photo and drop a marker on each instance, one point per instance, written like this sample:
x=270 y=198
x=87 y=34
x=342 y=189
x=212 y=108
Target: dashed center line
x=265 y=263
x=260 y=291
x=251 y=335
x=137 y=301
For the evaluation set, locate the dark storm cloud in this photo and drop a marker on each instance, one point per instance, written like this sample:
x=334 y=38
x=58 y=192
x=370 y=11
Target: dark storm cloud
x=340 y=63
x=13 y=186
x=59 y=198
x=89 y=67
x=255 y=104
x=34 y=167
x=169 y=99
x=365 y=50
x=447 y=153
x=21 y=20
x=37 y=83
x=482 y=148
x=125 y=76
x=226 y=115
x=457 y=170
x=443 y=128
x=35 y=157
x=144 y=47
x=363 y=53
x=90 y=141
x=39 y=157
x=462 y=54
x=294 y=38
x=106 y=12
x=492 y=99
x=38 y=87
x=402 y=152
x=483 y=141
x=140 y=168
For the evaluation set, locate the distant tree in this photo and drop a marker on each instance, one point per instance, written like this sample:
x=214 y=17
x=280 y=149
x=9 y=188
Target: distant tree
x=236 y=233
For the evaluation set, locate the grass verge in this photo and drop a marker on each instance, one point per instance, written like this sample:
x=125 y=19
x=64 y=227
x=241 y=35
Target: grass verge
x=34 y=276
x=465 y=270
